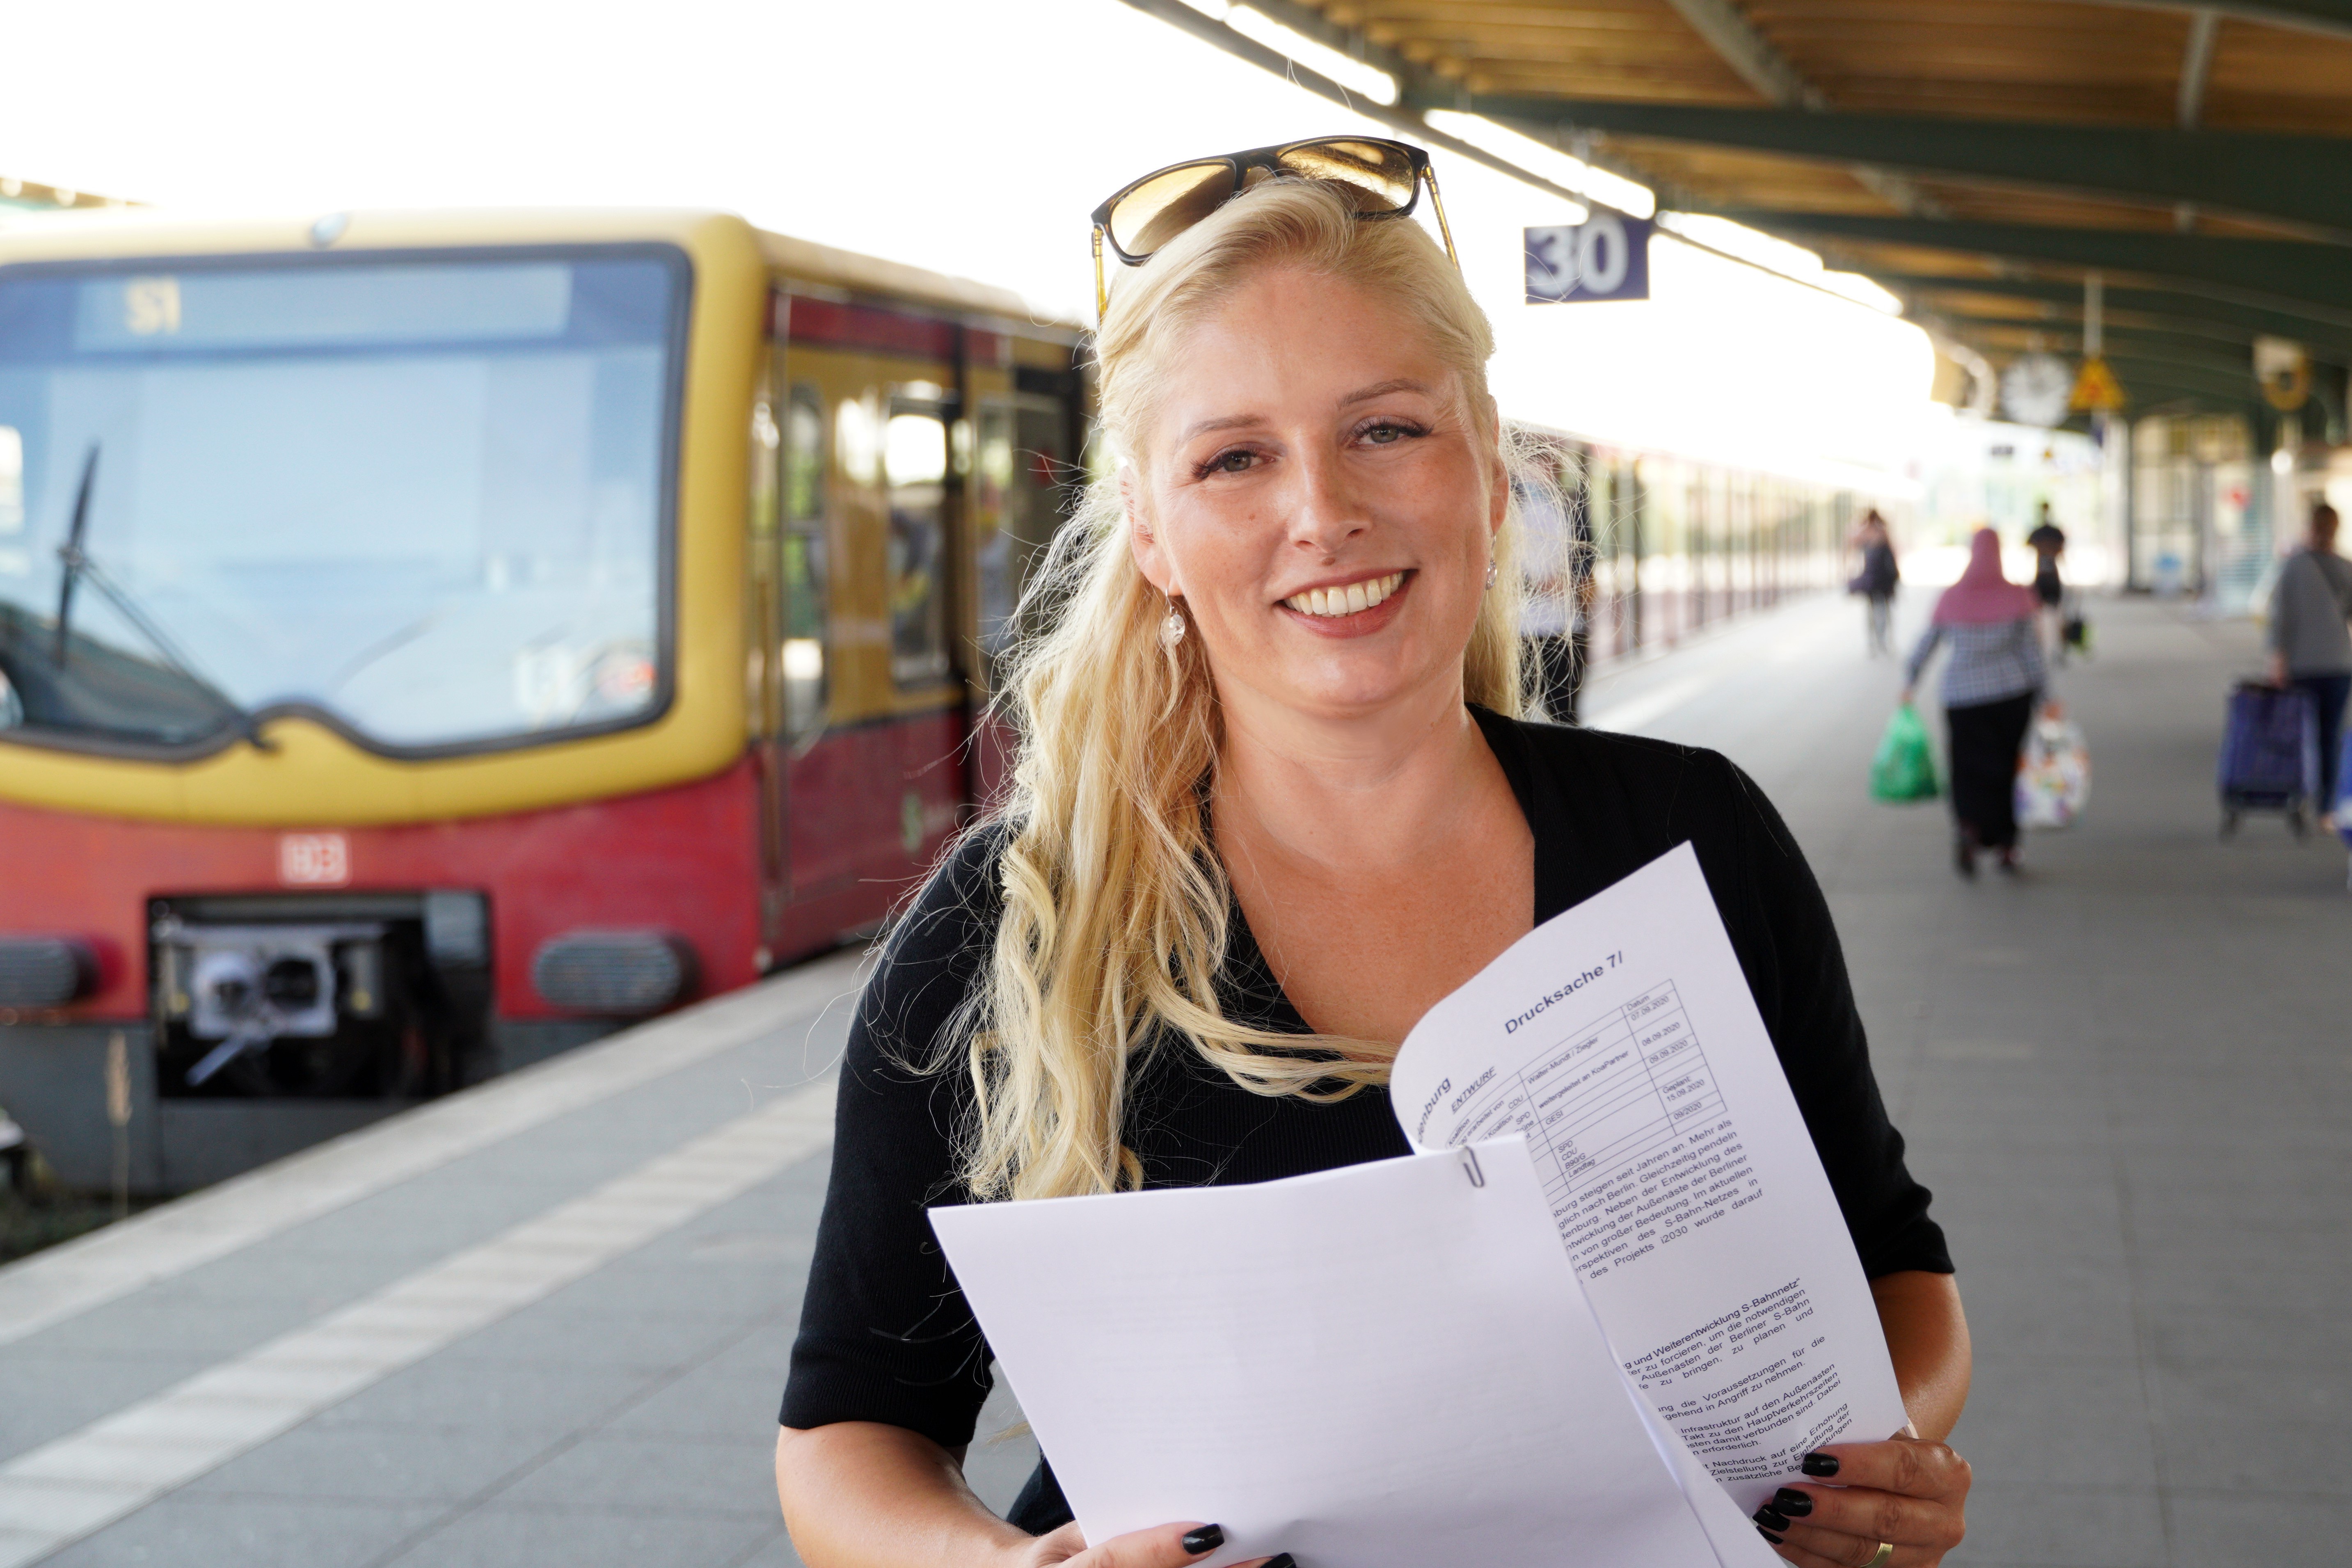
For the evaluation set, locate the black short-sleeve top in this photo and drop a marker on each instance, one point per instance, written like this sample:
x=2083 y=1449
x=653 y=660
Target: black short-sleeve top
x=884 y=1333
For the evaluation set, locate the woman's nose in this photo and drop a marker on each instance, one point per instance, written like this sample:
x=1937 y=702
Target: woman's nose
x=1327 y=513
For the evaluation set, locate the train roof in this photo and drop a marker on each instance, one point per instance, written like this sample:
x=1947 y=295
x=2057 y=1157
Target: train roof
x=65 y=234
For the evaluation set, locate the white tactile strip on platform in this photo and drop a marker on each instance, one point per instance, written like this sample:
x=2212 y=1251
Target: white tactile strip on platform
x=55 y=1494
x=67 y=1280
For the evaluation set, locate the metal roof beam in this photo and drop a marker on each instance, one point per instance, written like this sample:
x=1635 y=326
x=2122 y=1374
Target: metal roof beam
x=2332 y=18
x=1729 y=33
x=2121 y=343
x=2296 y=179
x=2258 y=271
x=2158 y=371
x=2196 y=66
x=2332 y=330
x=2137 y=372
x=2187 y=330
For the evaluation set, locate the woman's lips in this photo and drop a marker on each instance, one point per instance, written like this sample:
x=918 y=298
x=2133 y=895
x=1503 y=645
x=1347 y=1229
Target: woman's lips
x=1355 y=610
x=1353 y=599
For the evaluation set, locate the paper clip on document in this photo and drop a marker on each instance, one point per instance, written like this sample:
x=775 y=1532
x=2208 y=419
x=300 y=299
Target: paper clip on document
x=1470 y=1168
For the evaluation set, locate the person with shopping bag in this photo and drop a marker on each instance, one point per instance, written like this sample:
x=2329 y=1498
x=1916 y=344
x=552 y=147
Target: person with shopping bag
x=1991 y=685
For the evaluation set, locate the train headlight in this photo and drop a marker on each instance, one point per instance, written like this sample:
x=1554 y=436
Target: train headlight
x=615 y=974
x=44 y=971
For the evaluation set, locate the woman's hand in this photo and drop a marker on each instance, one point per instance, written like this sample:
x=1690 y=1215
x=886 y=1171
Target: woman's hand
x=1167 y=1546
x=1904 y=1492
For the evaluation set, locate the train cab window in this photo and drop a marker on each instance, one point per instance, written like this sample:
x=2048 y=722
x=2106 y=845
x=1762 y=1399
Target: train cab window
x=803 y=582
x=914 y=466
x=426 y=499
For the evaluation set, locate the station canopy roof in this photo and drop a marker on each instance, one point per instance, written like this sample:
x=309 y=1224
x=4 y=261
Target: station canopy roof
x=1978 y=158
x=19 y=196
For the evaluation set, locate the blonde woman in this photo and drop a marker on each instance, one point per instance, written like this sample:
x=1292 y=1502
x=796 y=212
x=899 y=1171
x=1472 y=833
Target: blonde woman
x=1274 y=800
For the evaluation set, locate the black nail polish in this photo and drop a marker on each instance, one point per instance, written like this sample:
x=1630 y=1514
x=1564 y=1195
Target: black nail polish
x=1284 y=1560
x=1208 y=1538
x=1792 y=1503
x=1820 y=1465
x=1775 y=1539
x=1765 y=1519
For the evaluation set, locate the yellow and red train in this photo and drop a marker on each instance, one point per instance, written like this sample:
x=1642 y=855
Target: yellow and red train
x=429 y=639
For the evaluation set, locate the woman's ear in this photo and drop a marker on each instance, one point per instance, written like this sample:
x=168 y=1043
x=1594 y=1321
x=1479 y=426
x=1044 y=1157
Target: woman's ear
x=1142 y=541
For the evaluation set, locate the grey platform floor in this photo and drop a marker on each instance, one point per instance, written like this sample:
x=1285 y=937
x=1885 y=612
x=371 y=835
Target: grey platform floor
x=2124 y=1075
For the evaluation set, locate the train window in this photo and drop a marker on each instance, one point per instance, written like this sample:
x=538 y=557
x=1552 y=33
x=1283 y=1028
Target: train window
x=12 y=480
x=1024 y=474
x=427 y=497
x=915 y=465
x=803 y=576
x=992 y=540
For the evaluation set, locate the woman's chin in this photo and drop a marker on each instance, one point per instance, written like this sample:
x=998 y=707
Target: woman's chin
x=1349 y=687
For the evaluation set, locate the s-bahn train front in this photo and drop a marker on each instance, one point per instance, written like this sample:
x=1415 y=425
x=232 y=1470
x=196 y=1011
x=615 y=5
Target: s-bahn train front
x=391 y=690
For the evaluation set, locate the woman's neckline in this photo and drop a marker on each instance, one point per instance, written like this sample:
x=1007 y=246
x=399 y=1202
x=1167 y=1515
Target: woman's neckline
x=1245 y=963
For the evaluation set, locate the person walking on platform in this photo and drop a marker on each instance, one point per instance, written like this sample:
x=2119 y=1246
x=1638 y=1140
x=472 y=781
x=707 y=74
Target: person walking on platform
x=2310 y=645
x=1990 y=684
x=1876 y=580
x=2049 y=542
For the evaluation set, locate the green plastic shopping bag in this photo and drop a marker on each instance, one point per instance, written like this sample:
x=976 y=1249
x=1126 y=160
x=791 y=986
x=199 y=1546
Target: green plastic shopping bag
x=1905 y=768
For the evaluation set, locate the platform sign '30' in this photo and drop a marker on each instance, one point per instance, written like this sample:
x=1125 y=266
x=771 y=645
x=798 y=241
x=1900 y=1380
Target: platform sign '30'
x=1607 y=256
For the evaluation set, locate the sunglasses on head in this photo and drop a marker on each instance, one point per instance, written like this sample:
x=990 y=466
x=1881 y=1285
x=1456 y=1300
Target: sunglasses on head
x=1381 y=179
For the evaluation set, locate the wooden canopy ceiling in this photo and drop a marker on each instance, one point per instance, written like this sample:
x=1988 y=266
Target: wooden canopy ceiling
x=1978 y=158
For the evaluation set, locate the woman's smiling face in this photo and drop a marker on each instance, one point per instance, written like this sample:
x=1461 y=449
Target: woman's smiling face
x=1318 y=490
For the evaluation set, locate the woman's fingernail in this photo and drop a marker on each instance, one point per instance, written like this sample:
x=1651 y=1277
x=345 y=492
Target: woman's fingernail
x=1767 y=1518
x=1208 y=1538
x=1792 y=1503
x=1282 y=1560
x=1775 y=1539
x=1820 y=1465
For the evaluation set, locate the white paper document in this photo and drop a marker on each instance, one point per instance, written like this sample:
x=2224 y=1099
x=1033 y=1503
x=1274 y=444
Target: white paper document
x=1621 y=1040
x=1389 y=1365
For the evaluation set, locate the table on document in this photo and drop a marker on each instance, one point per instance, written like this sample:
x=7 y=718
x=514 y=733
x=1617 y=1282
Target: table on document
x=1628 y=1127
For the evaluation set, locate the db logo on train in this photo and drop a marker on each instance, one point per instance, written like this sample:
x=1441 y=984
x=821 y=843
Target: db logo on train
x=314 y=860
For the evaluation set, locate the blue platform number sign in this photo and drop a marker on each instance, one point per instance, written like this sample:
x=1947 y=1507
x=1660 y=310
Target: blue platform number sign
x=1607 y=256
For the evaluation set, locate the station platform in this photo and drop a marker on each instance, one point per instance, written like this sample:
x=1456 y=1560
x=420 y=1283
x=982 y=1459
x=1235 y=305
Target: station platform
x=547 y=1321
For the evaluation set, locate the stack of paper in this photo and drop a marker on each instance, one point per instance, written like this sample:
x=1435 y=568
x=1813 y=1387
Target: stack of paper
x=1507 y=1352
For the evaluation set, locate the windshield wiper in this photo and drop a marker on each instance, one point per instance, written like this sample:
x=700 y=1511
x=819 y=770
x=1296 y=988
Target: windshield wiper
x=79 y=565
x=70 y=552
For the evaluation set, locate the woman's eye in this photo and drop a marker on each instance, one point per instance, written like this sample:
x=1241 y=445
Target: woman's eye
x=1385 y=434
x=1233 y=461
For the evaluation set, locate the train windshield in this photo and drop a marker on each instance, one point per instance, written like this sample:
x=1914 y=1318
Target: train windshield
x=424 y=500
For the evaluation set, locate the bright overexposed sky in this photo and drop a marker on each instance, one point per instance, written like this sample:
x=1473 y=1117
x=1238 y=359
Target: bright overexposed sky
x=970 y=137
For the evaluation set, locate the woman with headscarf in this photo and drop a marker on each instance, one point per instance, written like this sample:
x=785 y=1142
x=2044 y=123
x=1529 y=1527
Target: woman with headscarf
x=1989 y=687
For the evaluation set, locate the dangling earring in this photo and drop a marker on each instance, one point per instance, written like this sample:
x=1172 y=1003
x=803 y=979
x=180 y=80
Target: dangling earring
x=1172 y=631
x=1493 y=570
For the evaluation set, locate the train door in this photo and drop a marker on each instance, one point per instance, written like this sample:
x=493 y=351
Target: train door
x=868 y=702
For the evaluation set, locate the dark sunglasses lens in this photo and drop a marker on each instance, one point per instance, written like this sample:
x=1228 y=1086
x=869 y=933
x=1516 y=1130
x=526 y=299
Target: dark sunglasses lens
x=1377 y=175
x=1167 y=205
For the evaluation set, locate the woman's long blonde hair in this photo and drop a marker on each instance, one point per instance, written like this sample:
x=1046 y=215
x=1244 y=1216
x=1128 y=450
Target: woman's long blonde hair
x=1115 y=908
